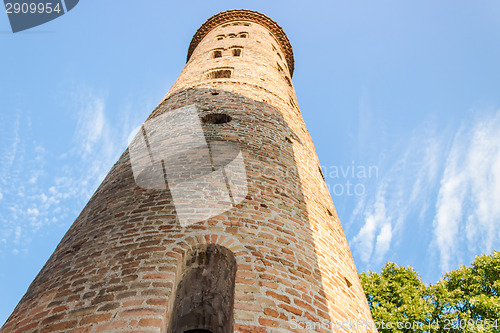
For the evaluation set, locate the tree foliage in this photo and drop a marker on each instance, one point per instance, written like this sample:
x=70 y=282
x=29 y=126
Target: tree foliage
x=464 y=300
x=397 y=295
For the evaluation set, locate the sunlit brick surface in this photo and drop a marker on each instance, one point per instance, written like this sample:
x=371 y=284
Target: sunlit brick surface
x=117 y=267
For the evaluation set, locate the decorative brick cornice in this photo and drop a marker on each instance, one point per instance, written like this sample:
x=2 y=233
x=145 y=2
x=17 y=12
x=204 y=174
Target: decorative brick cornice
x=249 y=16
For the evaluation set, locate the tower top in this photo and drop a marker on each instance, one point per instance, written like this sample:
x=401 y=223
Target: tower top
x=245 y=15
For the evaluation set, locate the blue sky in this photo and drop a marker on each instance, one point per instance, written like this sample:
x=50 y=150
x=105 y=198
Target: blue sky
x=405 y=93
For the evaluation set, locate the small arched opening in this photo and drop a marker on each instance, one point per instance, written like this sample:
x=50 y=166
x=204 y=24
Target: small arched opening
x=204 y=297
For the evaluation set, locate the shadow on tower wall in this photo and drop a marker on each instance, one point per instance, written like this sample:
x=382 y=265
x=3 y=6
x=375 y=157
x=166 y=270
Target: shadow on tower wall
x=120 y=263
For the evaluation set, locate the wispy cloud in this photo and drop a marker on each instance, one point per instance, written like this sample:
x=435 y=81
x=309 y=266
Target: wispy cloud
x=446 y=182
x=9 y=155
x=376 y=231
x=383 y=243
x=39 y=188
x=403 y=189
x=92 y=124
x=468 y=209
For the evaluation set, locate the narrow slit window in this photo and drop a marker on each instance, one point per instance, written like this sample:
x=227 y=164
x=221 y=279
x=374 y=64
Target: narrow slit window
x=243 y=35
x=329 y=212
x=231 y=35
x=321 y=173
x=220 y=37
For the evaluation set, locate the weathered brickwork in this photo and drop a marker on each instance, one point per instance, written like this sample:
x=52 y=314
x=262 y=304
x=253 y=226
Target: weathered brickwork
x=119 y=265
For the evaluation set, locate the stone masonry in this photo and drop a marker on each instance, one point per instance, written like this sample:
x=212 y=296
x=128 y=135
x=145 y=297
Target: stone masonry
x=275 y=262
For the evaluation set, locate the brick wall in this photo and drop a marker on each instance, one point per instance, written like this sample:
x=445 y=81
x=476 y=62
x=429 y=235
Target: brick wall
x=118 y=266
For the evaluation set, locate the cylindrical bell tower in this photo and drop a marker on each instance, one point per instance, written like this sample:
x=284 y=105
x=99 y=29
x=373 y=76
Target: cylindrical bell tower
x=216 y=218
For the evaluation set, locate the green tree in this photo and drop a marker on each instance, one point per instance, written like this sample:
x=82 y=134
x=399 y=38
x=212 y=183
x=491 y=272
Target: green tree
x=468 y=298
x=464 y=300
x=398 y=297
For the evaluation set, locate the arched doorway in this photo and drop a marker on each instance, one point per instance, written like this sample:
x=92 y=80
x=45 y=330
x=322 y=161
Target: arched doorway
x=204 y=296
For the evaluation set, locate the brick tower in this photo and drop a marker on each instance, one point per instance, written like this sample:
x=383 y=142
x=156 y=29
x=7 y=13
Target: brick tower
x=229 y=228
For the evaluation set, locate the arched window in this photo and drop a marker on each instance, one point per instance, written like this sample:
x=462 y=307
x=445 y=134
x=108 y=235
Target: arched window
x=236 y=50
x=217 y=54
x=204 y=296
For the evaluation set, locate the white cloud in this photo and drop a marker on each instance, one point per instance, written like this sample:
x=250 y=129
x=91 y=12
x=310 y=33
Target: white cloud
x=462 y=183
x=404 y=191
x=10 y=155
x=17 y=234
x=99 y=142
x=132 y=134
x=33 y=212
x=364 y=239
x=91 y=124
x=40 y=189
x=428 y=161
x=45 y=189
x=468 y=209
x=376 y=221
x=383 y=244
